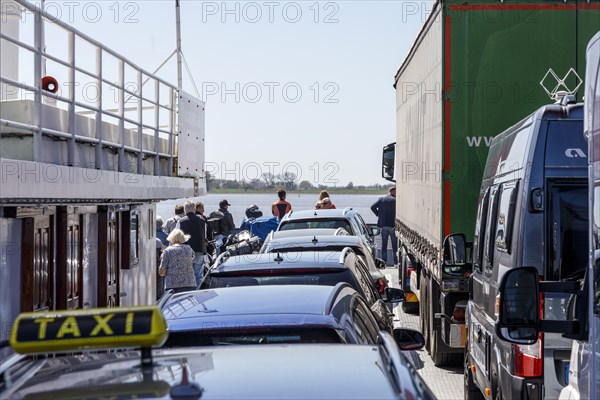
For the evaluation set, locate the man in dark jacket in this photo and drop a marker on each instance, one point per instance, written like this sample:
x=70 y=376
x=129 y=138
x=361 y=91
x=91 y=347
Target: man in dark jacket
x=227 y=224
x=194 y=226
x=385 y=210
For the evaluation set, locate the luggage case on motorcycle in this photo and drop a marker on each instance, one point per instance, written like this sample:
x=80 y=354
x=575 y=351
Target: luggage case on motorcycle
x=247 y=246
x=261 y=226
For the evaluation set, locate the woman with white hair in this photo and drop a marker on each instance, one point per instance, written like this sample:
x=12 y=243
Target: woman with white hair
x=176 y=263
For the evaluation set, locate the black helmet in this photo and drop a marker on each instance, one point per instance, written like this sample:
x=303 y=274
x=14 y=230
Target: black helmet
x=253 y=212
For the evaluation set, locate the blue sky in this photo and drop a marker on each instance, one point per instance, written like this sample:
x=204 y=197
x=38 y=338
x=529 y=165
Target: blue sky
x=309 y=84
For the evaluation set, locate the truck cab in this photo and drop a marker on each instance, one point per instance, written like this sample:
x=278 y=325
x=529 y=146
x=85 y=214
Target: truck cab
x=532 y=210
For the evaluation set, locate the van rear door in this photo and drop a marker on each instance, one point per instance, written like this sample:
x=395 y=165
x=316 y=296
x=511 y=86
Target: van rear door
x=566 y=232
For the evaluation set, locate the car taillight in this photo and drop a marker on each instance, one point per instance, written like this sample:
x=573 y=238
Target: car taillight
x=529 y=359
x=380 y=284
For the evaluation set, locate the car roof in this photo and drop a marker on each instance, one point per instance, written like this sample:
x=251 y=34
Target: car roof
x=276 y=261
x=251 y=306
x=315 y=214
x=309 y=241
x=307 y=232
x=225 y=372
x=247 y=300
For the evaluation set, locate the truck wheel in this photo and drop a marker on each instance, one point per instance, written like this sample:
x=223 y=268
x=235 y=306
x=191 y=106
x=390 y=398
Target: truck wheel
x=472 y=392
x=442 y=359
x=402 y=270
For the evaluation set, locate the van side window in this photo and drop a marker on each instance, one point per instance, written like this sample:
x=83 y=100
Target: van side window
x=488 y=256
x=506 y=215
x=480 y=231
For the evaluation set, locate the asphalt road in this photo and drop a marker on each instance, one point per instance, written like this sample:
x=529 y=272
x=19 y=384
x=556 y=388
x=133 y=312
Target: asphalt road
x=446 y=382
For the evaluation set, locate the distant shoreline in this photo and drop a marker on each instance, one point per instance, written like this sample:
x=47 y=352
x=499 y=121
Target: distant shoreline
x=293 y=192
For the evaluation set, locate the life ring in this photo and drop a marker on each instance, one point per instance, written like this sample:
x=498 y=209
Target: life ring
x=49 y=84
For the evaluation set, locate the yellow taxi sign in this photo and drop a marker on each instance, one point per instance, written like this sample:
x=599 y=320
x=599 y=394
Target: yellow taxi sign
x=44 y=332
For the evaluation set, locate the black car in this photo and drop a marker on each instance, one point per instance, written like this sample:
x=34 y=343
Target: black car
x=304 y=268
x=329 y=242
x=275 y=371
x=271 y=315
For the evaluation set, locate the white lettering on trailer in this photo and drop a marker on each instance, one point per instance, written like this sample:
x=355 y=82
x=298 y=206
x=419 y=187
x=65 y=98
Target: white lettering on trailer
x=475 y=141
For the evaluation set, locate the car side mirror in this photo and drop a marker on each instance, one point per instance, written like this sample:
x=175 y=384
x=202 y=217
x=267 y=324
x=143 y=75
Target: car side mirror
x=375 y=231
x=455 y=249
x=395 y=295
x=519 y=306
x=379 y=263
x=408 y=339
x=388 y=162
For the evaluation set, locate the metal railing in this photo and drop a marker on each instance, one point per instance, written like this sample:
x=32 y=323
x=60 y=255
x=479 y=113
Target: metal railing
x=141 y=98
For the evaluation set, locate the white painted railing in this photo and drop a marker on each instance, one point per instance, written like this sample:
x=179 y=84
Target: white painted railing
x=143 y=100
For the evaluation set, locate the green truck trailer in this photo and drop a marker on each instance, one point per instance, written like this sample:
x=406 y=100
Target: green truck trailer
x=474 y=70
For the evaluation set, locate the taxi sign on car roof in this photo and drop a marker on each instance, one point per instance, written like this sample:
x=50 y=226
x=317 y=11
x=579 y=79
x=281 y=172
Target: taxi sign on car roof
x=44 y=332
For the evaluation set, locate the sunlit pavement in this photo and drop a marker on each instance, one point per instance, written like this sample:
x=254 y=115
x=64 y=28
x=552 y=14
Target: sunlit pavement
x=445 y=382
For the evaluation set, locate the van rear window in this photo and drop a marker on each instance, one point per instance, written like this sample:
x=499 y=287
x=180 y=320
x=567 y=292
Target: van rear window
x=566 y=145
x=568 y=232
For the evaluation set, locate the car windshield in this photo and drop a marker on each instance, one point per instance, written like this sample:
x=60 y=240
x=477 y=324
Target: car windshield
x=316 y=224
x=268 y=335
x=329 y=278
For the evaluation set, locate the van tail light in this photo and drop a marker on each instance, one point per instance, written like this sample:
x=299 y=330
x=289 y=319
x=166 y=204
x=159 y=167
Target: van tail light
x=380 y=284
x=529 y=359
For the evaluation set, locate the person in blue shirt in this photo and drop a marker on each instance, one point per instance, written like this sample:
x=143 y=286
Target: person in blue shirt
x=385 y=210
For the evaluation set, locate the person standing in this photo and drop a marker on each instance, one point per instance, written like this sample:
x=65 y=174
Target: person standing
x=227 y=224
x=160 y=233
x=325 y=195
x=326 y=204
x=176 y=263
x=385 y=210
x=171 y=223
x=281 y=207
x=195 y=227
x=200 y=213
x=161 y=244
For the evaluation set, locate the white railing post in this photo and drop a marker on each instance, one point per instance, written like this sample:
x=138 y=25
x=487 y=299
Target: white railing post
x=72 y=128
x=172 y=128
x=99 y=130
x=122 y=160
x=156 y=126
x=38 y=44
x=140 y=123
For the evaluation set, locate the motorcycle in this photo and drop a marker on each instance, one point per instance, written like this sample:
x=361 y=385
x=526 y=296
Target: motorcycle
x=241 y=243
